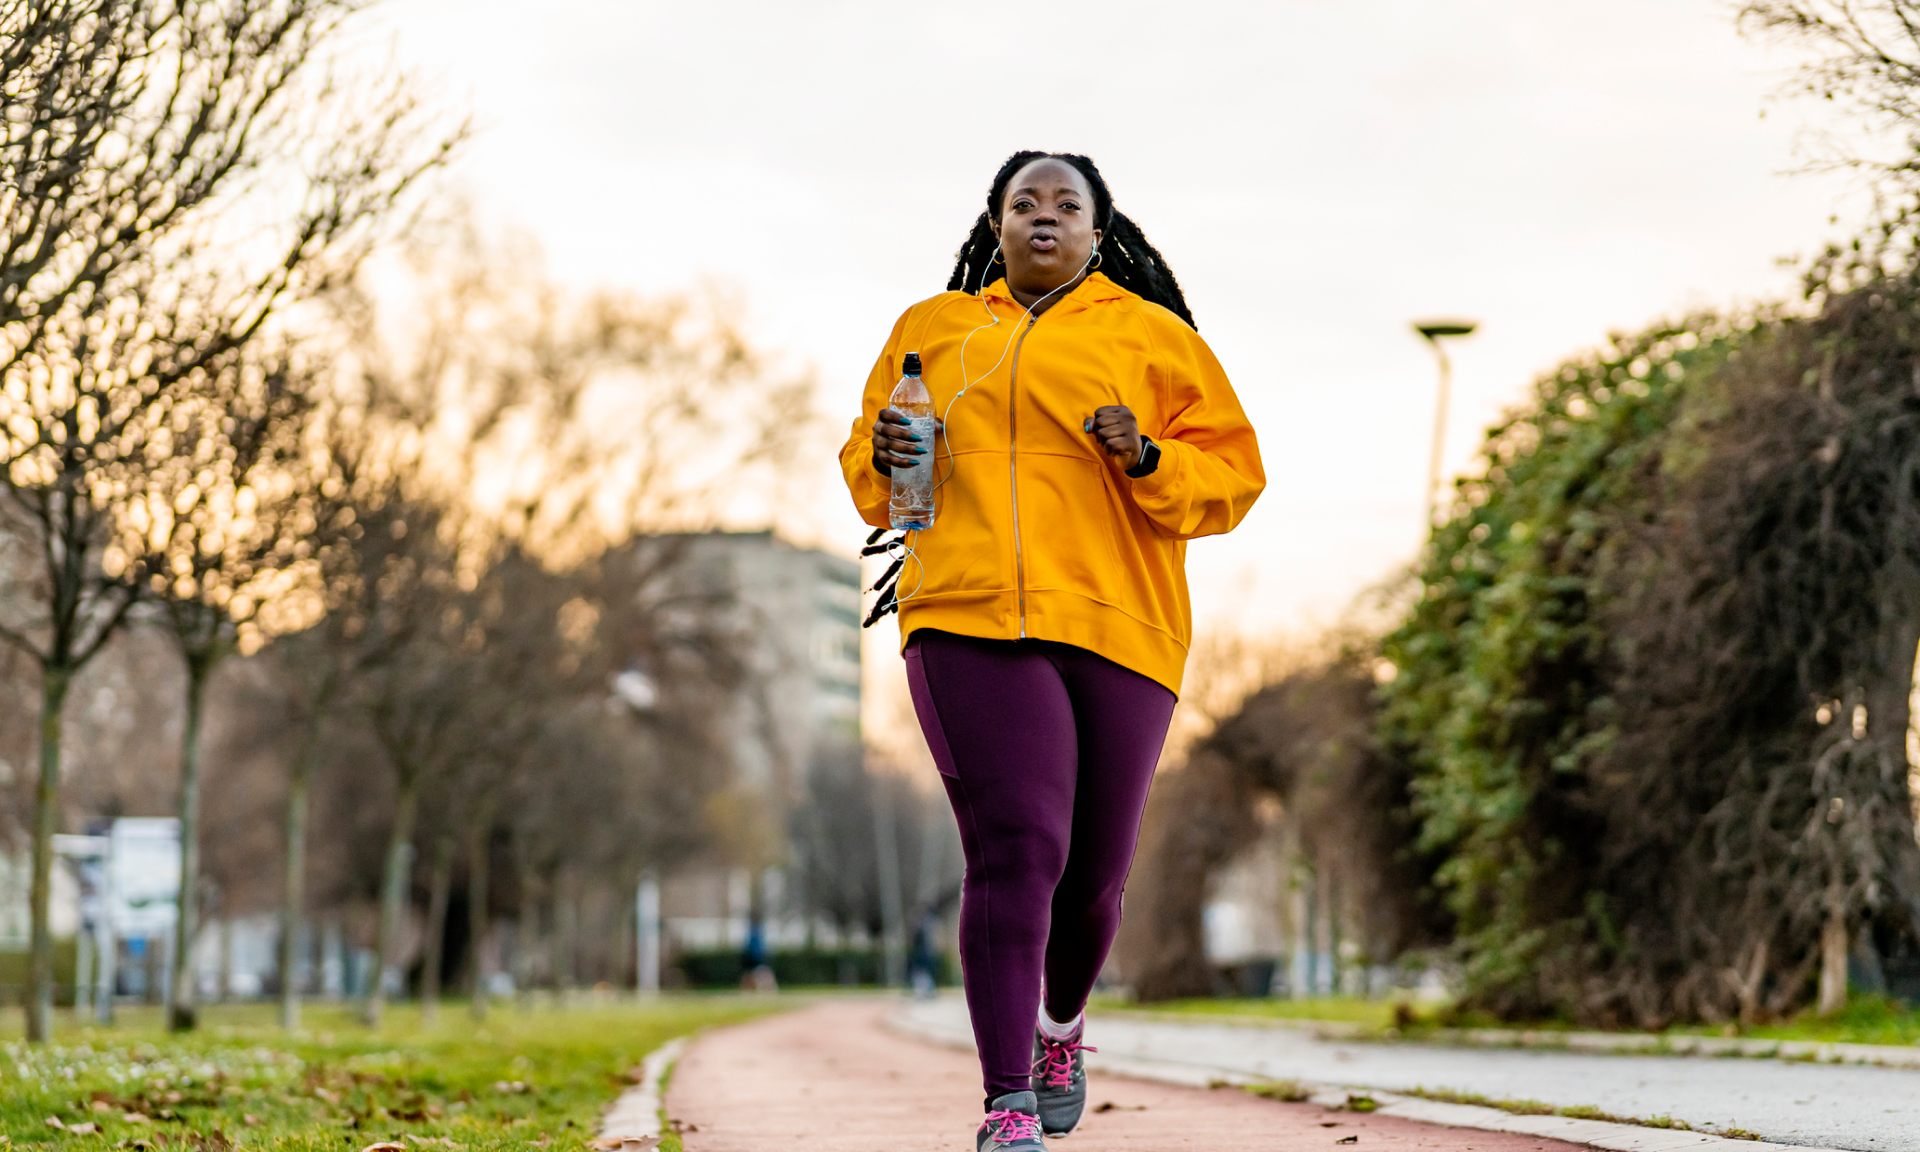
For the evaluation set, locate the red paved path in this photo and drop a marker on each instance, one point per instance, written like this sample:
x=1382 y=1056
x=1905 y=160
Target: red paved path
x=831 y=1078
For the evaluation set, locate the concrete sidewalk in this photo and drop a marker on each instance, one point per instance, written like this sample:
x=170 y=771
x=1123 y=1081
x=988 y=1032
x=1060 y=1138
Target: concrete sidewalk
x=1814 y=1105
x=834 y=1078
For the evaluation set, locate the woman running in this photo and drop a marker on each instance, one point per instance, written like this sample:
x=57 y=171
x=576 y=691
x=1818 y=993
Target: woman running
x=1088 y=434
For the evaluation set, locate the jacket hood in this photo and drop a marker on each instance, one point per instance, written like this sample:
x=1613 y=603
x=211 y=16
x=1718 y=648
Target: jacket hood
x=1095 y=289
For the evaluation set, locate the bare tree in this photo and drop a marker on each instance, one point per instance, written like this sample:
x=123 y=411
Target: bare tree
x=368 y=564
x=1305 y=743
x=1866 y=59
x=137 y=136
x=226 y=525
x=416 y=703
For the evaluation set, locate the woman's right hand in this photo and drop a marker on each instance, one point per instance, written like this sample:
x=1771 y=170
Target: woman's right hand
x=893 y=445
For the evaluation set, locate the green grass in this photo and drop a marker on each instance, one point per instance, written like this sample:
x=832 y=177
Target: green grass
x=1343 y=1009
x=1865 y=1020
x=1575 y=1112
x=1286 y=1091
x=541 y=1077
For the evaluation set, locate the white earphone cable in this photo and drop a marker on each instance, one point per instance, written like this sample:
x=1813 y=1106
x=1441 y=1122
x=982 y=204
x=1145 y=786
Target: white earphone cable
x=906 y=541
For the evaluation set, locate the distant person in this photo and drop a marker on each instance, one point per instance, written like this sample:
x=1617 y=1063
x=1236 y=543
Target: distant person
x=756 y=961
x=1087 y=433
x=923 y=959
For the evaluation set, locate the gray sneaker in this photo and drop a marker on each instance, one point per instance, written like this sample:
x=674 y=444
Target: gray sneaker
x=1012 y=1125
x=1060 y=1079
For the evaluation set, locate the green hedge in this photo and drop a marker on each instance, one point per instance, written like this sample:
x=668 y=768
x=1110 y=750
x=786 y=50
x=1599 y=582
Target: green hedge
x=13 y=974
x=721 y=968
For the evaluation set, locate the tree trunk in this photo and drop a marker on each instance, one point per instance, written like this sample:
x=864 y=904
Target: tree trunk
x=437 y=893
x=526 y=936
x=393 y=894
x=887 y=858
x=477 y=896
x=294 y=882
x=54 y=683
x=223 y=991
x=1833 y=961
x=566 y=930
x=1336 y=965
x=1310 y=924
x=184 y=1014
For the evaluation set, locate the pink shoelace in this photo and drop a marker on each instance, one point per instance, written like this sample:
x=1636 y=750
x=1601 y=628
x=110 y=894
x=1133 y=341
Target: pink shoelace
x=1056 y=1060
x=1011 y=1126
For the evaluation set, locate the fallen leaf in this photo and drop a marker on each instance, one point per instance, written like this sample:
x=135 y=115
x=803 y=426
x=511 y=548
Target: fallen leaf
x=87 y=1129
x=385 y=1146
x=102 y=1106
x=55 y=1122
x=249 y=1119
x=135 y=1118
x=1330 y=1124
x=1348 y=1140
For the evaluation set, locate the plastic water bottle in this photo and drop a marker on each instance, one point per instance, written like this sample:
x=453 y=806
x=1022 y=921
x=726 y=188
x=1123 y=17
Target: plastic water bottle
x=912 y=503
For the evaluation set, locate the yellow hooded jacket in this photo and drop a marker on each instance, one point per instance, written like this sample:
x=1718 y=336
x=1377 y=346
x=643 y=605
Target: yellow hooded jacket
x=1037 y=532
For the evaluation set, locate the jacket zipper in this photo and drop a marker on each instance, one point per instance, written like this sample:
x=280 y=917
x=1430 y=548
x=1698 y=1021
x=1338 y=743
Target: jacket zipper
x=1013 y=470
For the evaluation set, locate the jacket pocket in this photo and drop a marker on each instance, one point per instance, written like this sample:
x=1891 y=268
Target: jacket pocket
x=1070 y=515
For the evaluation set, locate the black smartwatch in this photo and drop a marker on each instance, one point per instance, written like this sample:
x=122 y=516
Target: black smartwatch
x=1149 y=459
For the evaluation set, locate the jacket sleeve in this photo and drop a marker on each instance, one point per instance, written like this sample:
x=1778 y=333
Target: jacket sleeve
x=1209 y=473
x=870 y=490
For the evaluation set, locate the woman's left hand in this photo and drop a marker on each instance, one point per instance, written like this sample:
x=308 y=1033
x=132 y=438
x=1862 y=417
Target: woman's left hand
x=1115 y=430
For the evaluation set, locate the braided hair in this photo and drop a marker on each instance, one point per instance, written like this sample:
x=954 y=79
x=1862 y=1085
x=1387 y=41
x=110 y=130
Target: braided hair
x=1125 y=255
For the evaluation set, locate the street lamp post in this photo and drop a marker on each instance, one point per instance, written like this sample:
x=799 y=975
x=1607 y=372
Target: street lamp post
x=1434 y=331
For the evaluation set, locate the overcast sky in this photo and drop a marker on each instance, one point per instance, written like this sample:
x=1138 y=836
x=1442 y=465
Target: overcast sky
x=1318 y=173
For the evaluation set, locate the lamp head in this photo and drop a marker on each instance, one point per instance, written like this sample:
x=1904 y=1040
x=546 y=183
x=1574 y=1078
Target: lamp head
x=1436 y=329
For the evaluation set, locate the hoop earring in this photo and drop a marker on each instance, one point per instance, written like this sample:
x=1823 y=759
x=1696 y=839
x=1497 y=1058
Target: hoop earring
x=996 y=256
x=1098 y=259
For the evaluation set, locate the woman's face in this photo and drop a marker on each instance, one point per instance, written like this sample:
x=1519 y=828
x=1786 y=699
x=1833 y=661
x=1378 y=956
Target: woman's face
x=1046 y=227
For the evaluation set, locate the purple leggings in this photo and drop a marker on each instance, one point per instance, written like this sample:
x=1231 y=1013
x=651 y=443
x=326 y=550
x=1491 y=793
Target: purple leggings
x=1047 y=752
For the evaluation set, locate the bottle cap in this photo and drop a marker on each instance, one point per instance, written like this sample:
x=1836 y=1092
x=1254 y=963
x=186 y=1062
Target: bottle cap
x=912 y=365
